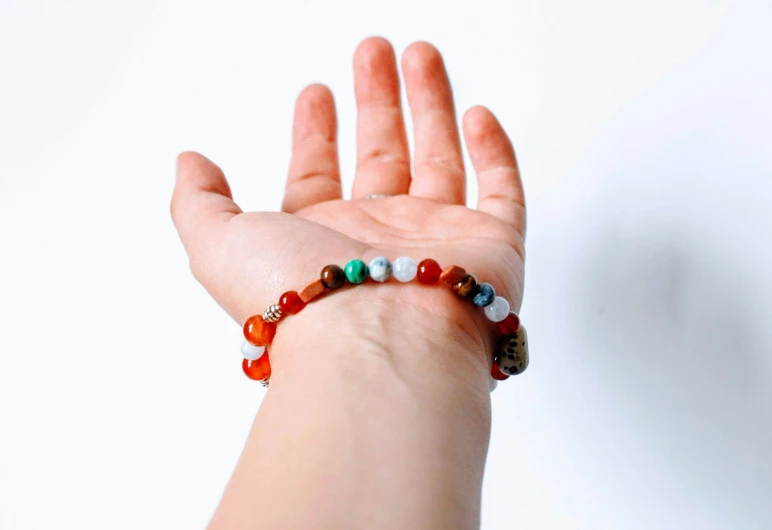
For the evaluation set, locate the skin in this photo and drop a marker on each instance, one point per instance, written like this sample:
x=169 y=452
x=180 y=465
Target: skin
x=378 y=413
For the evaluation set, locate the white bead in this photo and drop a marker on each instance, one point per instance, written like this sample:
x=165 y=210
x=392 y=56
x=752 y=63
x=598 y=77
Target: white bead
x=250 y=351
x=380 y=269
x=492 y=384
x=497 y=310
x=405 y=269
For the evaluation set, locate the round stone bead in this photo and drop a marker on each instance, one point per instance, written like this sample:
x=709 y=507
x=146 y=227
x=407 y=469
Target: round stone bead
x=259 y=332
x=251 y=352
x=290 y=303
x=257 y=370
x=429 y=272
x=497 y=374
x=380 y=269
x=405 y=269
x=484 y=295
x=497 y=310
x=332 y=276
x=356 y=271
x=512 y=358
x=466 y=287
x=509 y=325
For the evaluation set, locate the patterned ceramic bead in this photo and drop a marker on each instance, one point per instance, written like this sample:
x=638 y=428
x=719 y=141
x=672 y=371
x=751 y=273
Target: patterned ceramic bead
x=405 y=269
x=380 y=269
x=251 y=352
x=484 y=295
x=466 y=287
x=356 y=271
x=513 y=353
x=429 y=272
x=452 y=275
x=332 y=276
x=497 y=310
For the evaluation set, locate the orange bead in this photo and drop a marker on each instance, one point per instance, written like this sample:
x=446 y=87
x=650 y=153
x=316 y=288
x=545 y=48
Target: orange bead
x=257 y=370
x=509 y=325
x=429 y=272
x=259 y=332
x=311 y=291
x=496 y=373
x=452 y=275
x=290 y=303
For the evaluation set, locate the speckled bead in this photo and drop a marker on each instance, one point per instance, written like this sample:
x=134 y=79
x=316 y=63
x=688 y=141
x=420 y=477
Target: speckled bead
x=497 y=310
x=405 y=269
x=380 y=269
x=466 y=287
x=484 y=295
x=332 y=276
x=356 y=271
x=512 y=357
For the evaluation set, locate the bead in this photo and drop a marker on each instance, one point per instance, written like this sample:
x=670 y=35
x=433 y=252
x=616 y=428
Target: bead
x=484 y=295
x=466 y=286
x=311 y=291
x=405 y=268
x=259 y=332
x=291 y=303
x=257 y=370
x=429 y=272
x=272 y=313
x=496 y=373
x=452 y=275
x=509 y=325
x=332 y=276
x=380 y=269
x=251 y=352
x=497 y=310
x=492 y=384
x=513 y=353
x=356 y=271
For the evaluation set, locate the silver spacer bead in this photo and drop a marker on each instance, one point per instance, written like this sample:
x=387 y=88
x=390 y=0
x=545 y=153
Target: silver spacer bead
x=272 y=313
x=265 y=382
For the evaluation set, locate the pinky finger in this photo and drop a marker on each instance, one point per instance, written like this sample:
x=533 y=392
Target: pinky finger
x=493 y=158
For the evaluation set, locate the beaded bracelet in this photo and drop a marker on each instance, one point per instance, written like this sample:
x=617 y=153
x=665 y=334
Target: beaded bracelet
x=511 y=357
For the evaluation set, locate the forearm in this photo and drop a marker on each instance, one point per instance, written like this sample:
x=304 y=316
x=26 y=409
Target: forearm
x=378 y=416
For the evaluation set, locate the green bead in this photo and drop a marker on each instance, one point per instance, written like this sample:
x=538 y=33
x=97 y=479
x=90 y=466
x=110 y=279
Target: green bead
x=356 y=271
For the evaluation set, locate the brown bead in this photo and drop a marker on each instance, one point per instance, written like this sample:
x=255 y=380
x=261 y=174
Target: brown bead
x=466 y=286
x=452 y=275
x=311 y=291
x=332 y=276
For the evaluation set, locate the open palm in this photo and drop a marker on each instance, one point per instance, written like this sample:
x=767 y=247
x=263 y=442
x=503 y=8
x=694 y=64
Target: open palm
x=246 y=260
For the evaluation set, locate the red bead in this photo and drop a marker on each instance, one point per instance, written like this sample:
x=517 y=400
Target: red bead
x=429 y=272
x=259 y=369
x=259 y=332
x=291 y=303
x=497 y=374
x=509 y=325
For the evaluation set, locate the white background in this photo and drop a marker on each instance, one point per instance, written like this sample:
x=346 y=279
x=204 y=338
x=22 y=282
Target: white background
x=643 y=133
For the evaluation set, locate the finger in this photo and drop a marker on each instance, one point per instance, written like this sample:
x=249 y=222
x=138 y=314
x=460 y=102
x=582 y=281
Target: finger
x=383 y=158
x=493 y=158
x=202 y=202
x=314 y=174
x=438 y=164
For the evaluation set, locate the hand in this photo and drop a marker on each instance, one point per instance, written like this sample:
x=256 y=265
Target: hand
x=246 y=260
